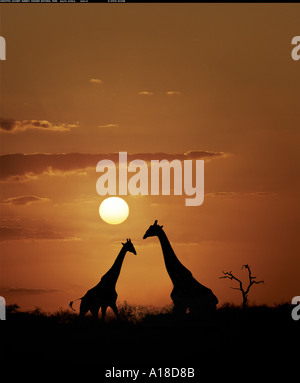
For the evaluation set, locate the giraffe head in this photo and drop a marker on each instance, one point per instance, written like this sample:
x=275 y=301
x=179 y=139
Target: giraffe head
x=153 y=230
x=128 y=246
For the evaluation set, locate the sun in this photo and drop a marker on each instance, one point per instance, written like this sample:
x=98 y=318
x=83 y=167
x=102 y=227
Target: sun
x=114 y=210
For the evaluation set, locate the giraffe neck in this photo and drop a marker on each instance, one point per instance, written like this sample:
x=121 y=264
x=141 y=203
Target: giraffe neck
x=113 y=273
x=175 y=268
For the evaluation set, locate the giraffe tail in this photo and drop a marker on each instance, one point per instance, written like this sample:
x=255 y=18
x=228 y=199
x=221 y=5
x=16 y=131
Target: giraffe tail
x=71 y=303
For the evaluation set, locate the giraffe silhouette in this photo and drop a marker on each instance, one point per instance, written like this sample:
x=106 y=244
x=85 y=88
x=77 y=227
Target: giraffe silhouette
x=187 y=293
x=104 y=293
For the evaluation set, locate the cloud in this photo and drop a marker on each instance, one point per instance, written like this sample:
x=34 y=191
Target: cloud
x=14 y=126
x=25 y=200
x=13 y=233
x=204 y=154
x=95 y=81
x=25 y=290
x=26 y=167
x=7 y=124
x=231 y=194
x=173 y=93
x=168 y=93
x=145 y=93
x=189 y=155
x=109 y=126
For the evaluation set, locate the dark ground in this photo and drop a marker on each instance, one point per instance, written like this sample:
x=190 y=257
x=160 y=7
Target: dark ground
x=255 y=338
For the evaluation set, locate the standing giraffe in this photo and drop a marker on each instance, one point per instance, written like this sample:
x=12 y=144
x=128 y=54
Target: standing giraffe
x=187 y=293
x=104 y=293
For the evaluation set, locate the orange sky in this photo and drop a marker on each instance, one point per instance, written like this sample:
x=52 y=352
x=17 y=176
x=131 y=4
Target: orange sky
x=148 y=78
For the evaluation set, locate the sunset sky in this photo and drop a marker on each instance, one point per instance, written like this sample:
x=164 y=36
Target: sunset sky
x=83 y=81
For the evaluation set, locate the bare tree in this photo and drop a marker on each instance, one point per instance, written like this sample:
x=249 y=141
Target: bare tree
x=229 y=275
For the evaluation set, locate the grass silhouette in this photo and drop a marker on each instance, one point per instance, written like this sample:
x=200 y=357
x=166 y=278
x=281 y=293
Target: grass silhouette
x=147 y=335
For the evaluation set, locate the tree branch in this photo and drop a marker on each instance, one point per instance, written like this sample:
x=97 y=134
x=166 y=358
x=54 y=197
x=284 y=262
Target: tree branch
x=229 y=275
x=251 y=278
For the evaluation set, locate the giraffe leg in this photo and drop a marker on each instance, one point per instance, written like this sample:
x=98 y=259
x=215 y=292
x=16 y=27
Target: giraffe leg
x=84 y=308
x=94 y=310
x=103 y=312
x=180 y=305
x=115 y=310
x=179 y=310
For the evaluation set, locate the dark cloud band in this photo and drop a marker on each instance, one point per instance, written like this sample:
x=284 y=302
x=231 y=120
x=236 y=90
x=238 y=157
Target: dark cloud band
x=16 y=167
